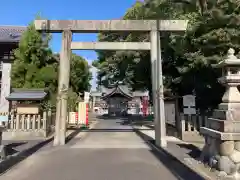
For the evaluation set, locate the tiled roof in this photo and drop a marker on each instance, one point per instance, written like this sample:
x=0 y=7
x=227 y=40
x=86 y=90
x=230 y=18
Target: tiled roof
x=123 y=88
x=28 y=94
x=11 y=33
x=120 y=89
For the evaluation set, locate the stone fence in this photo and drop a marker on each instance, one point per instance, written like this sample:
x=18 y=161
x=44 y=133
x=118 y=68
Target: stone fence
x=190 y=127
x=38 y=125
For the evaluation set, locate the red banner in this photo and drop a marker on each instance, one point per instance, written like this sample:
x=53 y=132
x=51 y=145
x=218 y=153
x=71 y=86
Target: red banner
x=145 y=105
x=86 y=114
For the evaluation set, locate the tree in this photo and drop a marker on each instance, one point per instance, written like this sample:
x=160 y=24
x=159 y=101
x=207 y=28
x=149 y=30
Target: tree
x=80 y=77
x=80 y=74
x=205 y=44
x=132 y=67
x=35 y=66
x=187 y=58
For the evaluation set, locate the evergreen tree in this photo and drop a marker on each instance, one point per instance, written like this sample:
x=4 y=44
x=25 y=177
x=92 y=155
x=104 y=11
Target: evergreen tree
x=35 y=66
x=205 y=44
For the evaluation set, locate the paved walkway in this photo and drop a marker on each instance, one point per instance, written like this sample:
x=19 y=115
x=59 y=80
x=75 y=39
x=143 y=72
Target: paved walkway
x=109 y=151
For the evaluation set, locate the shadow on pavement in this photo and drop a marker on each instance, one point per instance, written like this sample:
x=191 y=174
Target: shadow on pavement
x=178 y=169
x=75 y=132
x=11 y=148
x=122 y=117
x=22 y=155
x=194 y=151
x=141 y=121
x=107 y=117
x=110 y=130
x=13 y=160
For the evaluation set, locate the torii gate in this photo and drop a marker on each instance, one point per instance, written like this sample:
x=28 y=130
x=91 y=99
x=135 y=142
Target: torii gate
x=68 y=27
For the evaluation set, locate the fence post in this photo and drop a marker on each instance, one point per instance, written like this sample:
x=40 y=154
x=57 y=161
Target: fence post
x=45 y=123
x=1 y=131
x=2 y=147
x=34 y=122
x=178 y=118
x=205 y=121
x=23 y=121
x=38 y=121
x=12 y=122
x=182 y=125
x=17 y=121
x=28 y=121
x=49 y=118
x=194 y=122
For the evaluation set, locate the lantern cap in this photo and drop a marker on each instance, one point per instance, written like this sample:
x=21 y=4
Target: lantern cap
x=231 y=59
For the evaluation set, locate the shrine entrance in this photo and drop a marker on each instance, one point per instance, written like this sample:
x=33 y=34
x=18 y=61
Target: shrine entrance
x=117 y=100
x=117 y=105
x=68 y=27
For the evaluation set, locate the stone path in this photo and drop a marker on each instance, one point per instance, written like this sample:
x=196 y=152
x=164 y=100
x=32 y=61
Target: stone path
x=187 y=153
x=109 y=151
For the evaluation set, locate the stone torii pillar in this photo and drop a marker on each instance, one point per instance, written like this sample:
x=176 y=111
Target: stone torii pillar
x=157 y=84
x=82 y=26
x=63 y=85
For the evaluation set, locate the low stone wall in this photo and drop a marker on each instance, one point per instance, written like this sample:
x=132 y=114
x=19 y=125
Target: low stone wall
x=190 y=126
x=25 y=135
x=21 y=126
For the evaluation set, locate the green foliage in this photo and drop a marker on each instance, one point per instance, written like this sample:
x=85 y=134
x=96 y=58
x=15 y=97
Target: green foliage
x=35 y=66
x=80 y=74
x=73 y=99
x=33 y=60
x=203 y=45
x=134 y=67
x=187 y=57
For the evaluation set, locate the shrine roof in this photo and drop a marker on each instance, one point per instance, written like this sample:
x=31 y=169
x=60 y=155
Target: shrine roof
x=123 y=90
x=119 y=89
x=11 y=33
x=27 y=95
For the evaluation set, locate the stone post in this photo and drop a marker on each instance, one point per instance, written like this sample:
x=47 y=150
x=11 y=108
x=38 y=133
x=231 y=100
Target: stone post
x=157 y=89
x=222 y=136
x=93 y=102
x=1 y=131
x=5 y=89
x=64 y=76
x=2 y=147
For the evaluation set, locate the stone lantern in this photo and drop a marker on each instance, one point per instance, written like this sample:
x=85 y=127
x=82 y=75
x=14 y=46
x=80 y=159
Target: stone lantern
x=2 y=147
x=231 y=79
x=222 y=134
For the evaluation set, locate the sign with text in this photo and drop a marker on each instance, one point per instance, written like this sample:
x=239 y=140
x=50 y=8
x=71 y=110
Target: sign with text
x=83 y=113
x=73 y=118
x=189 y=100
x=86 y=97
x=189 y=104
x=189 y=110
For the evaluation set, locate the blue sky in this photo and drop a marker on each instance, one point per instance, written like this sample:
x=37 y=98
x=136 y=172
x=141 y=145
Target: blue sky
x=21 y=12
